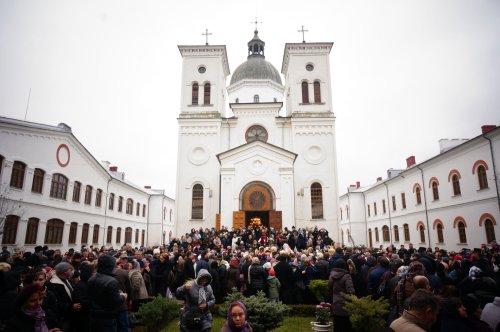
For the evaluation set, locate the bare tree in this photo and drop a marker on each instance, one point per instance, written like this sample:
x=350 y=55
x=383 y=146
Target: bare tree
x=8 y=206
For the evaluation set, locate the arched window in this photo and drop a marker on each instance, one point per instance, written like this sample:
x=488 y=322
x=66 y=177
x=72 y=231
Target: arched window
x=456 y=184
x=137 y=236
x=422 y=233
x=128 y=235
x=54 y=231
x=481 y=176
x=370 y=237
x=88 y=195
x=194 y=94
x=77 y=186
x=130 y=207
x=85 y=233
x=461 y=232
x=17 y=176
x=109 y=234
x=111 y=201
x=385 y=233
x=118 y=235
x=98 y=197
x=120 y=203
x=317 y=92
x=59 y=186
x=10 y=229
x=32 y=231
x=73 y=227
x=256 y=98
x=406 y=231
x=37 y=185
x=396 y=233
x=435 y=191
x=439 y=229
x=376 y=234
x=206 y=94
x=305 y=92
x=490 y=231
x=316 y=201
x=347 y=212
x=197 y=202
x=95 y=237
x=418 y=195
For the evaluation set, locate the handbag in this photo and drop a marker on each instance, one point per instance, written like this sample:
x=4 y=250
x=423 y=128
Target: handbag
x=192 y=319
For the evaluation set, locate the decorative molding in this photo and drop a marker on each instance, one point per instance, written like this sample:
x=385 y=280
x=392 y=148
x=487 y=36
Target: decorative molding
x=199 y=130
x=313 y=130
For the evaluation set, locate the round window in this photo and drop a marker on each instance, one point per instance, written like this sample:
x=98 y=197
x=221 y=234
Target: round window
x=202 y=69
x=256 y=133
x=309 y=67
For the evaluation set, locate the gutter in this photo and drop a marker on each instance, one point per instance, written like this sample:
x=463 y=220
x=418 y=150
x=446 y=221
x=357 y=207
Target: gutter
x=494 y=170
x=425 y=206
x=389 y=210
x=106 y=205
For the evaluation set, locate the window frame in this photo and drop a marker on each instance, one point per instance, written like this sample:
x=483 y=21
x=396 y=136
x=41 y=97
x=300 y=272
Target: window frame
x=10 y=229
x=197 y=197
x=111 y=203
x=490 y=230
x=317 y=201
x=435 y=190
x=206 y=93
x=85 y=233
x=118 y=237
x=95 y=234
x=386 y=237
x=38 y=179
x=73 y=230
x=54 y=231
x=440 y=234
x=462 y=234
x=406 y=232
x=305 y=92
x=18 y=174
x=396 y=233
x=32 y=231
x=59 y=186
x=98 y=197
x=455 y=181
x=418 y=195
x=482 y=177
x=120 y=203
x=195 y=91
x=77 y=187
x=317 y=92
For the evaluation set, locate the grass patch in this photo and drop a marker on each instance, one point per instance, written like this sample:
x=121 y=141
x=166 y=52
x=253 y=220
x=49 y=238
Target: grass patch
x=296 y=324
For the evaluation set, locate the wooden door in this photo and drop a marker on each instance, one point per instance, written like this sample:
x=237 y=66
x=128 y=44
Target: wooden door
x=238 y=219
x=217 y=221
x=275 y=219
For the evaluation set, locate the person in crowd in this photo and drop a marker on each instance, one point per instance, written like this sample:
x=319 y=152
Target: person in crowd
x=473 y=308
x=491 y=314
x=199 y=297
x=233 y=275
x=160 y=269
x=138 y=290
x=81 y=295
x=421 y=314
x=121 y=273
x=105 y=296
x=273 y=286
x=284 y=274
x=237 y=319
x=257 y=277
x=454 y=316
x=59 y=284
x=340 y=282
x=30 y=316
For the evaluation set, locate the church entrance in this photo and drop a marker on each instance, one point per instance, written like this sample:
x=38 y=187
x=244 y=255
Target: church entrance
x=257 y=207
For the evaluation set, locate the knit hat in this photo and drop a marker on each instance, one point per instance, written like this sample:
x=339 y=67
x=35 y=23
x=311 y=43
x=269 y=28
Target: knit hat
x=271 y=273
x=63 y=267
x=235 y=261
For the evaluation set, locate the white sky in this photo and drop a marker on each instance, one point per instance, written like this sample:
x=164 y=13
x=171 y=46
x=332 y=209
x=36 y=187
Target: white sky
x=404 y=73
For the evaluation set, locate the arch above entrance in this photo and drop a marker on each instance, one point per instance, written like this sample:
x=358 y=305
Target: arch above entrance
x=257 y=196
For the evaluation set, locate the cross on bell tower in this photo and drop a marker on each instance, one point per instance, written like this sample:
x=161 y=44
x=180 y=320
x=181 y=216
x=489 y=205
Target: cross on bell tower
x=303 y=37
x=206 y=34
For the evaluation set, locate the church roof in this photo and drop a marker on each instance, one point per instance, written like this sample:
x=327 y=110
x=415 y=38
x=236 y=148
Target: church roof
x=257 y=143
x=256 y=66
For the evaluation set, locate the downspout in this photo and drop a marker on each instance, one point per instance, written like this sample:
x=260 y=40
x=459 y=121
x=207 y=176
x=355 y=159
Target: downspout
x=162 y=241
x=106 y=205
x=425 y=206
x=389 y=209
x=494 y=170
x=349 y=218
x=364 y=211
x=147 y=222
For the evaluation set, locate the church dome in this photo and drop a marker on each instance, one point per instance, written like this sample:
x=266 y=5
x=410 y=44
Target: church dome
x=256 y=66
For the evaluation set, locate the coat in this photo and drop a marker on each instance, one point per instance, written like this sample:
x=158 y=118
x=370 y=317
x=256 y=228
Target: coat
x=138 y=290
x=408 y=323
x=273 y=286
x=191 y=298
x=226 y=328
x=284 y=273
x=258 y=276
x=340 y=281
x=233 y=278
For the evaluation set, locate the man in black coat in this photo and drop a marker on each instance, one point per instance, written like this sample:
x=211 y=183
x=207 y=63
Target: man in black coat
x=61 y=287
x=284 y=273
x=257 y=277
x=105 y=296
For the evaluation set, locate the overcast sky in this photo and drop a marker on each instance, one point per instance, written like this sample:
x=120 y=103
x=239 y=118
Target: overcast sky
x=404 y=73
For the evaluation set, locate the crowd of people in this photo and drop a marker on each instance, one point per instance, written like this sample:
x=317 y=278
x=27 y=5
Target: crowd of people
x=96 y=289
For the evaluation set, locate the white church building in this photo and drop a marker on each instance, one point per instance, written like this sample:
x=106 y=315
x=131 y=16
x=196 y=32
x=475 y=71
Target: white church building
x=256 y=161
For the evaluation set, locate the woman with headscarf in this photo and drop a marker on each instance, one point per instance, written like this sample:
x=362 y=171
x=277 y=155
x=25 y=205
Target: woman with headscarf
x=199 y=298
x=138 y=290
x=30 y=315
x=340 y=282
x=233 y=275
x=237 y=318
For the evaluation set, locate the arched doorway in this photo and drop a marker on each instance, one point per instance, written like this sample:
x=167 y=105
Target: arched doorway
x=257 y=207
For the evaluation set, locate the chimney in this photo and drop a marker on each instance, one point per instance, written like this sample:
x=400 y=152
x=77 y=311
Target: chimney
x=379 y=179
x=410 y=161
x=147 y=187
x=113 y=169
x=487 y=128
x=358 y=184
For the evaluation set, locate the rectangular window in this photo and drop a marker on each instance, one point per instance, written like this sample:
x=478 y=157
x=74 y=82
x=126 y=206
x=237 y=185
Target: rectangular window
x=72 y=233
x=368 y=210
x=383 y=206
x=137 y=211
x=31 y=231
x=393 y=203
x=403 y=200
x=17 y=176
x=85 y=233
x=76 y=191
x=111 y=201
x=88 y=194
x=374 y=208
x=120 y=204
x=98 y=197
x=143 y=210
x=95 y=237
x=37 y=185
